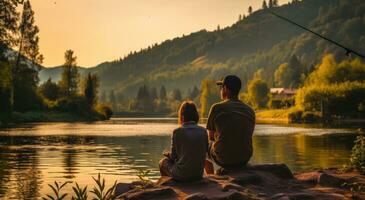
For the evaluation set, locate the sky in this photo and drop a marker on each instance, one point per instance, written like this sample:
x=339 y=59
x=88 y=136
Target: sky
x=105 y=30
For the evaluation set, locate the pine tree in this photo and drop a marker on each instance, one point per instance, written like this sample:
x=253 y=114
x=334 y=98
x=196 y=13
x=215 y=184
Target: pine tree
x=264 y=5
x=28 y=31
x=49 y=90
x=8 y=23
x=250 y=10
x=239 y=18
x=91 y=85
x=275 y=3
x=271 y=4
x=70 y=75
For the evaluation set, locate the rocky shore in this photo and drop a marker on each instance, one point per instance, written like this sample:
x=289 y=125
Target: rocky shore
x=268 y=181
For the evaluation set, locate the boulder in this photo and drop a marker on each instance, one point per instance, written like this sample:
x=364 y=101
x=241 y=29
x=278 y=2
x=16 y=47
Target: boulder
x=196 y=196
x=327 y=180
x=279 y=170
x=122 y=188
x=151 y=193
x=247 y=179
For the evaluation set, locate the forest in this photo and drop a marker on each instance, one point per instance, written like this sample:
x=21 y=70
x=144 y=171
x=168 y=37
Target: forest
x=22 y=97
x=263 y=50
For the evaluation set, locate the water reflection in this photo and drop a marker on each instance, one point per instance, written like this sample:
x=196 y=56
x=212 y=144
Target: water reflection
x=33 y=156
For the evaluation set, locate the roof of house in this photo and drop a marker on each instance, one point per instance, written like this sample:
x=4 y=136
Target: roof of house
x=283 y=91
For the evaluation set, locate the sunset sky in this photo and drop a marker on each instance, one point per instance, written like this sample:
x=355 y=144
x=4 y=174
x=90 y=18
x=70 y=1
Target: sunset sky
x=104 y=30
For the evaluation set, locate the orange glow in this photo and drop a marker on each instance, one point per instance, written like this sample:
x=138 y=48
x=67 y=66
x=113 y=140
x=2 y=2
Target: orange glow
x=101 y=31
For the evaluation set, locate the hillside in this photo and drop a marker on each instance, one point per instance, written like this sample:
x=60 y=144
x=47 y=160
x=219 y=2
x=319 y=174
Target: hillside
x=55 y=73
x=259 y=41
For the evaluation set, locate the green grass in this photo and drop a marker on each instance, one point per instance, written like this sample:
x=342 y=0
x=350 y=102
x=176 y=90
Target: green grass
x=281 y=115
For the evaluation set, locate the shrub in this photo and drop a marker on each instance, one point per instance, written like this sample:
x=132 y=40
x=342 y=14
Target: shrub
x=74 y=104
x=327 y=98
x=105 y=111
x=311 y=117
x=358 y=154
x=295 y=116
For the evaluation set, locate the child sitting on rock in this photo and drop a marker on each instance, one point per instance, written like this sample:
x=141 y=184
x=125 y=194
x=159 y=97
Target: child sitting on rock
x=189 y=144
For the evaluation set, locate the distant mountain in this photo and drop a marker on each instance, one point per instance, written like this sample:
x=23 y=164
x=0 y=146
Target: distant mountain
x=259 y=41
x=55 y=73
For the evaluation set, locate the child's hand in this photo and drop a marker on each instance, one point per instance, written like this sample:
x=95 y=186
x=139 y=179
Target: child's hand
x=166 y=154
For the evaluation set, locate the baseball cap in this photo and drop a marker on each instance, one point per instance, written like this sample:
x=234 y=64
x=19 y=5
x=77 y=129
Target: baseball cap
x=232 y=82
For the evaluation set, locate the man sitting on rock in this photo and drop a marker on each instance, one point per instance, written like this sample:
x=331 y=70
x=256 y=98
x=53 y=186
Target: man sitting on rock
x=230 y=127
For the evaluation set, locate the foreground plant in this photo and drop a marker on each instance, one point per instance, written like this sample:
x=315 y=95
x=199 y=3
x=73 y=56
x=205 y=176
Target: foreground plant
x=100 y=192
x=358 y=154
x=79 y=193
x=56 y=188
x=143 y=177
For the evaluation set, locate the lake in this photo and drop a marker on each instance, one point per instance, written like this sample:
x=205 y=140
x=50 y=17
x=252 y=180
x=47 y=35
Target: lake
x=34 y=155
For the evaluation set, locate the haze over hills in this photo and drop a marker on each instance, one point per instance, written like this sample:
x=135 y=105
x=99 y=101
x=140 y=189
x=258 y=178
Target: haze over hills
x=258 y=41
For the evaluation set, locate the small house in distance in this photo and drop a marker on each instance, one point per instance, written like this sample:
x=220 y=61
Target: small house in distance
x=282 y=93
x=282 y=97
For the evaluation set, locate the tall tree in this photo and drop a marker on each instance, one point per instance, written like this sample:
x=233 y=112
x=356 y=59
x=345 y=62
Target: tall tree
x=209 y=95
x=264 y=5
x=49 y=90
x=8 y=23
x=250 y=10
x=70 y=75
x=271 y=3
x=91 y=85
x=289 y=74
x=258 y=93
x=275 y=3
x=28 y=39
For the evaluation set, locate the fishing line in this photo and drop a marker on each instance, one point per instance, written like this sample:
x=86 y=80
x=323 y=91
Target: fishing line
x=348 y=50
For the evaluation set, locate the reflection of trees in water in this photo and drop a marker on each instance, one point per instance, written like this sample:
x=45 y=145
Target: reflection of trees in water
x=27 y=174
x=303 y=152
x=135 y=152
x=69 y=156
x=4 y=166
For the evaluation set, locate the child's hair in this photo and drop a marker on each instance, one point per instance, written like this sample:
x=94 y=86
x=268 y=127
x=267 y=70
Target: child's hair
x=188 y=112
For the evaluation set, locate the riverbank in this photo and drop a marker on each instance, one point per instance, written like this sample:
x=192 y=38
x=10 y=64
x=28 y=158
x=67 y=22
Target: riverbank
x=268 y=181
x=293 y=115
x=52 y=116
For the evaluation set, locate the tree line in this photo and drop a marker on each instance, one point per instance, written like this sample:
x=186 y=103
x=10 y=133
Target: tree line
x=19 y=83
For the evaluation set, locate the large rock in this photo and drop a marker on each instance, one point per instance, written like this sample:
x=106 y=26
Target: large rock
x=330 y=181
x=254 y=182
x=279 y=170
x=151 y=193
x=196 y=196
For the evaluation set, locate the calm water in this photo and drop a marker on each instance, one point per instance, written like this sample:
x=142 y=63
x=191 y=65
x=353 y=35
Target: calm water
x=32 y=156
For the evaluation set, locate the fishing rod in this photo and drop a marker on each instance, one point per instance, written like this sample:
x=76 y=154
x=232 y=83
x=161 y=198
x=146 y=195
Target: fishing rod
x=348 y=50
